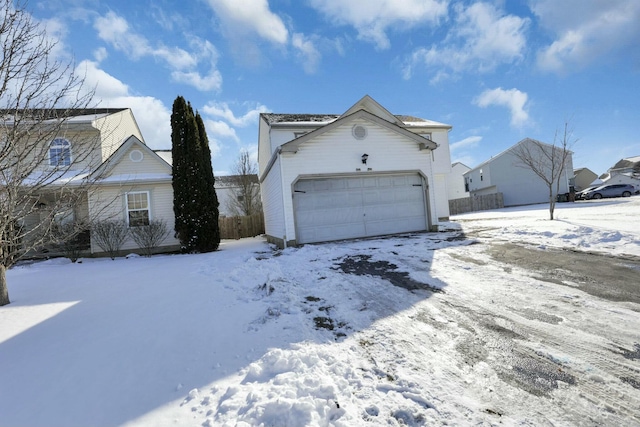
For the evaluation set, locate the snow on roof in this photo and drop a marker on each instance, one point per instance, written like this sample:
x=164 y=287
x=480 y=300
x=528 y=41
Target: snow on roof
x=136 y=177
x=322 y=119
x=273 y=118
x=165 y=155
x=70 y=116
x=64 y=177
x=629 y=162
x=417 y=121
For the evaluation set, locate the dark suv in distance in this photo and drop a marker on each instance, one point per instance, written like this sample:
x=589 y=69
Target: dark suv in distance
x=611 y=190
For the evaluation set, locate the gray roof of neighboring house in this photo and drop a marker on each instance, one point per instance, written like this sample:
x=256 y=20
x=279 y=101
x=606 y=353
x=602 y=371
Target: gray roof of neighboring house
x=272 y=118
x=629 y=162
x=232 y=180
x=60 y=113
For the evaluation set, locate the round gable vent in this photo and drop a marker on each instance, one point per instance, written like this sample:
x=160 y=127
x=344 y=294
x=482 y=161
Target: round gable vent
x=359 y=132
x=136 y=156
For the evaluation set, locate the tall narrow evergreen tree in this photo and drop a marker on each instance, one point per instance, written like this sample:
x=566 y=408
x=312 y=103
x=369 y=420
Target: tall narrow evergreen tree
x=209 y=234
x=195 y=203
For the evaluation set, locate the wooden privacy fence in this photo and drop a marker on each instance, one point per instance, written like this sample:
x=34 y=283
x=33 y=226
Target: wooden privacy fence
x=237 y=227
x=476 y=203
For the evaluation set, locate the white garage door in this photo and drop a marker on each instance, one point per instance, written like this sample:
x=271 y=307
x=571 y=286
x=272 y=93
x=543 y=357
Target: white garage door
x=351 y=207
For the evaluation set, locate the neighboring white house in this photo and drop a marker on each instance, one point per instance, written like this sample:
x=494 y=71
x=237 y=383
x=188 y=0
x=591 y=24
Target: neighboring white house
x=362 y=173
x=229 y=189
x=625 y=171
x=456 y=187
x=519 y=185
x=131 y=183
x=227 y=186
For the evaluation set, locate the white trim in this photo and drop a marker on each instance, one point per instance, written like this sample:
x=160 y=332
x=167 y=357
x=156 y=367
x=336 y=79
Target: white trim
x=126 y=205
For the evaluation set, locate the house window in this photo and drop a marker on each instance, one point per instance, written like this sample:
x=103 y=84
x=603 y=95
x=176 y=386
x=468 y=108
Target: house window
x=137 y=208
x=60 y=152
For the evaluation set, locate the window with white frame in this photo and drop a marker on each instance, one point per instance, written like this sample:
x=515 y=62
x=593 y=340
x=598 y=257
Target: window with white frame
x=60 y=152
x=138 y=208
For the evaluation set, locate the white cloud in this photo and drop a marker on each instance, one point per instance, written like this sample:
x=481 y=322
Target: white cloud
x=513 y=99
x=250 y=16
x=220 y=129
x=373 y=18
x=153 y=118
x=599 y=29
x=465 y=143
x=100 y=54
x=222 y=110
x=115 y=30
x=308 y=53
x=481 y=38
x=466 y=159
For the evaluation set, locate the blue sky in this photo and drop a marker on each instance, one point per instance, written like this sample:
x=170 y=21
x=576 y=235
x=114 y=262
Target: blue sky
x=497 y=71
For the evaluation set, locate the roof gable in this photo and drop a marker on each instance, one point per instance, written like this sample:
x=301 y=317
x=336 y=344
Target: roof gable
x=108 y=165
x=512 y=148
x=423 y=143
x=367 y=103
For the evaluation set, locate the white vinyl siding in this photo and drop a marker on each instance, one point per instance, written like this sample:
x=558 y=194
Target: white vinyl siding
x=337 y=152
x=271 y=192
x=115 y=129
x=109 y=204
x=150 y=165
x=442 y=201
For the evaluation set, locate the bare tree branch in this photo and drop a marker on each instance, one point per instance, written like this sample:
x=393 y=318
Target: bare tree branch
x=40 y=185
x=246 y=189
x=549 y=162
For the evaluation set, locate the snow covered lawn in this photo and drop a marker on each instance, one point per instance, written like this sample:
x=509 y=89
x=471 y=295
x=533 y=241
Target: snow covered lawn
x=424 y=329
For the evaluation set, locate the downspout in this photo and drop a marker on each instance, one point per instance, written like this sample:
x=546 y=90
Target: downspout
x=284 y=213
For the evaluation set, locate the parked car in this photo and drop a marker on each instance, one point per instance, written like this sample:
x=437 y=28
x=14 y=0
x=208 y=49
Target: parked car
x=611 y=190
x=580 y=194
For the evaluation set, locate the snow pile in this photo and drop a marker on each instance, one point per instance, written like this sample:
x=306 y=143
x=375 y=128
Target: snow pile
x=415 y=330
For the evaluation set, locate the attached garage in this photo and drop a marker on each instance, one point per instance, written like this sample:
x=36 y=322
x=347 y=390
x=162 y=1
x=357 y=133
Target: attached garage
x=348 y=207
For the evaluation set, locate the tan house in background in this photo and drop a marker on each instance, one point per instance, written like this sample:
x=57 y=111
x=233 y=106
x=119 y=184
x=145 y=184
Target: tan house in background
x=129 y=182
x=584 y=178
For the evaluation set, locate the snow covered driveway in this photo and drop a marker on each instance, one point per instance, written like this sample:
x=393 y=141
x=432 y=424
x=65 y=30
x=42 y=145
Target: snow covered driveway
x=471 y=326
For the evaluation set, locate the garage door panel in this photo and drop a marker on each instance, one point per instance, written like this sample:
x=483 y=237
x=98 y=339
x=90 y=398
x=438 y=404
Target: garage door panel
x=345 y=215
x=352 y=207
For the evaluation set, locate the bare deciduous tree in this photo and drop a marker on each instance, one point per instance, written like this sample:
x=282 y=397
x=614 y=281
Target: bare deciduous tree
x=149 y=237
x=549 y=162
x=41 y=178
x=246 y=189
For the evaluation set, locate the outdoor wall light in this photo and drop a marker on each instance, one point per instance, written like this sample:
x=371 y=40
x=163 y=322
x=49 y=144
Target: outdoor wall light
x=364 y=158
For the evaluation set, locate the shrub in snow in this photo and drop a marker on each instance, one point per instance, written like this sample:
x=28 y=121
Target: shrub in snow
x=110 y=236
x=149 y=237
x=71 y=238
